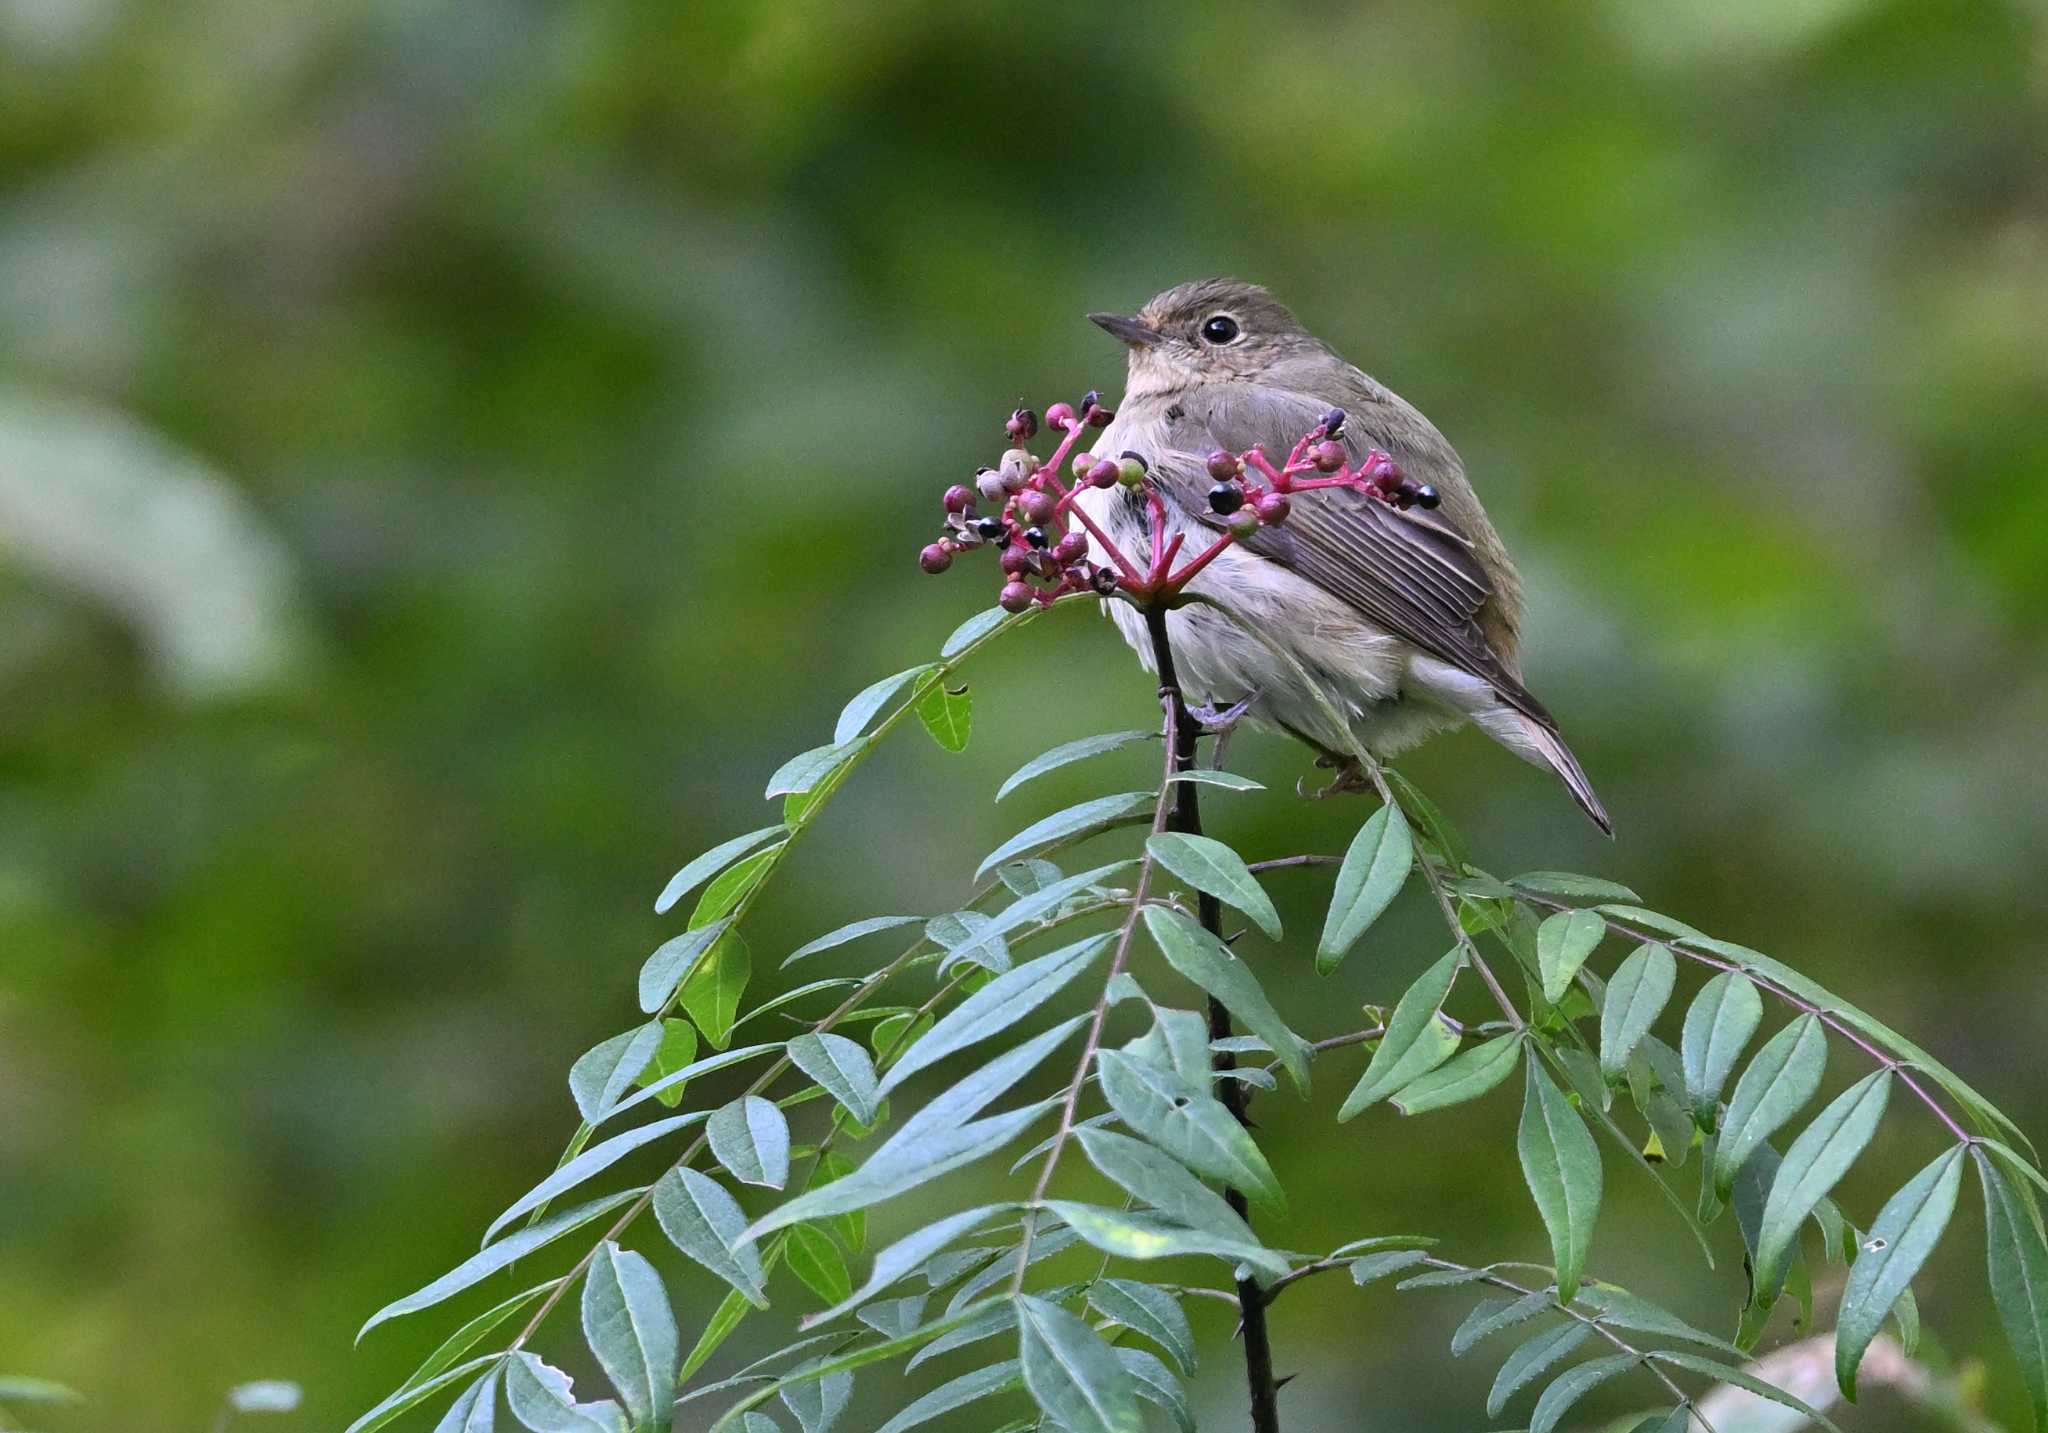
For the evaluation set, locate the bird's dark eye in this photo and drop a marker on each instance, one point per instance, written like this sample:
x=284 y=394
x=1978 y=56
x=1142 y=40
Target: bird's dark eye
x=1220 y=329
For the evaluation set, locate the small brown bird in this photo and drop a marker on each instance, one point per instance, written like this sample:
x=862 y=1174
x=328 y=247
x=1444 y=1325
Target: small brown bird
x=1410 y=618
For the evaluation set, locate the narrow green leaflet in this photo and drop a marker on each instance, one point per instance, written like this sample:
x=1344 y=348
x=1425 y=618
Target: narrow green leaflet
x=1074 y=1377
x=1571 y=886
x=957 y=1393
x=1575 y=1383
x=1156 y=1383
x=1162 y=1183
x=1563 y=943
x=1374 y=869
x=488 y=1261
x=948 y=714
x=1134 y=1234
x=475 y=1410
x=1209 y=865
x=813 y=1257
x=592 y=1161
x=934 y=1140
x=733 y=885
x=805 y=771
x=632 y=1331
x=542 y=1397
x=842 y=1069
x=1561 y=1164
x=1368 y=1267
x=750 y=1137
x=1491 y=1316
x=907 y=1254
x=1148 y=1311
x=858 y=1357
x=1537 y=1355
x=602 y=1074
x=1636 y=996
x=1723 y=1017
x=1783 y=1077
x=997 y=1006
x=968 y=935
x=1073 y=824
x=1472 y=1073
x=1188 y=1123
x=818 y=1403
x=854 y=719
x=710 y=864
x=414 y=1394
x=1205 y=960
x=980 y=625
x=2019 y=1277
x=470 y=1334
x=1210 y=776
x=1900 y=1239
x=1618 y=1308
x=1416 y=1041
x=1736 y=1377
x=1067 y=753
x=851 y=931
x=671 y=1081
x=706 y=1223
x=1813 y=1165
x=672 y=960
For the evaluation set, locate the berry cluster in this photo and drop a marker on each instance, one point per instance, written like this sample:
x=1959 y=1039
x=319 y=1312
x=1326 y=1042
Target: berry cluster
x=1023 y=510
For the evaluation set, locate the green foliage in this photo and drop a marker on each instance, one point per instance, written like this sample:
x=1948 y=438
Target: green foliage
x=966 y=1016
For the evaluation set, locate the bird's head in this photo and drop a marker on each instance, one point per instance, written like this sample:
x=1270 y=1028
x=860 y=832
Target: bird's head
x=1210 y=331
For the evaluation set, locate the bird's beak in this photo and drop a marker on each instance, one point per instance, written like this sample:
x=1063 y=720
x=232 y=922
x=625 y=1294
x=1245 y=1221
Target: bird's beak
x=1134 y=331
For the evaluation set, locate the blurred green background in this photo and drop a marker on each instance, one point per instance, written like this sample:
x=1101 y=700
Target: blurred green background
x=450 y=454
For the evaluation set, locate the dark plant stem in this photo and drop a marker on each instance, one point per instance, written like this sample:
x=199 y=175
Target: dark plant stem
x=1186 y=816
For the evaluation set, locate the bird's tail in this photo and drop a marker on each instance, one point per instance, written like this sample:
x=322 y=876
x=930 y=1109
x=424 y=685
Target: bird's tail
x=1550 y=747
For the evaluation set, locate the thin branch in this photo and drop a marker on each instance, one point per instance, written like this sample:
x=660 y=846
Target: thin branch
x=1592 y=1321
x=1281 y=863
x=1187 y=818
x=1124 y=939
x=1900 y=1068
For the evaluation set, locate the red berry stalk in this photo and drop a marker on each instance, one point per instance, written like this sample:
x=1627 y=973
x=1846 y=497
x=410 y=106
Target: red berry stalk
x=1043 y=558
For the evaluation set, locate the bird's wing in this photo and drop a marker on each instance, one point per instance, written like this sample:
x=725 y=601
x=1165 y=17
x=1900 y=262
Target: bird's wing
x=1410 y=573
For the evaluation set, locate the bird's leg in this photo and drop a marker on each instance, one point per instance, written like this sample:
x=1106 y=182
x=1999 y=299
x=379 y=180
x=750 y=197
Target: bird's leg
x=1220 y=721
x=1350 y=780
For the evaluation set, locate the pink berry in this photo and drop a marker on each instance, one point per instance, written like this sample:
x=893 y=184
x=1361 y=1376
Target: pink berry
x=1060 y=416
x=959 y=498
x=1104 y=472
x=1016 y=597
x=1273 y=507
x=1071 y=549
x=936 y=558
x=1015 y=561
x=1224 y=466
x=1037 y=507
x=1023 y=425
x=1328 y=457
